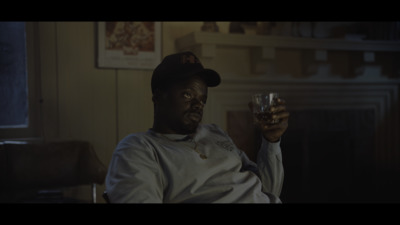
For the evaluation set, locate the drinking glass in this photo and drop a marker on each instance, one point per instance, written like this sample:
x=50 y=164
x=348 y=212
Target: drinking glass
x=262 y=103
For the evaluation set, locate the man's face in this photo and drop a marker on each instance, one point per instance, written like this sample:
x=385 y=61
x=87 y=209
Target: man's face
x=181 y=107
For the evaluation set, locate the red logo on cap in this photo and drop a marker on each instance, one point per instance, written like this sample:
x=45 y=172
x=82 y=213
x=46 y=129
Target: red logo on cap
x=189 y=59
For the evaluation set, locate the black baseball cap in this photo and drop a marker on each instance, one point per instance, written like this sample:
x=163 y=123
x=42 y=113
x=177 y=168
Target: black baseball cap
x=181 y=66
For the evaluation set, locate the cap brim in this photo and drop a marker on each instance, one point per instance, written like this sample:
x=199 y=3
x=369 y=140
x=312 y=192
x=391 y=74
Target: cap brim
x=210 y=76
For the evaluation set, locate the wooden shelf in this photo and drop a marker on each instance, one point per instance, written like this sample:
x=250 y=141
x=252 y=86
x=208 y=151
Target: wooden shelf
x=199 y=39
x=311 y=51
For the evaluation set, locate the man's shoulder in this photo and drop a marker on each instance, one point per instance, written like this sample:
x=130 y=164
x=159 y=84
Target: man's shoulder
x=134 y=139
x=134 y=136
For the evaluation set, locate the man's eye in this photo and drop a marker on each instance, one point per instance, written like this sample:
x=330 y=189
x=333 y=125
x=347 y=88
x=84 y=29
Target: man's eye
x=188 y=96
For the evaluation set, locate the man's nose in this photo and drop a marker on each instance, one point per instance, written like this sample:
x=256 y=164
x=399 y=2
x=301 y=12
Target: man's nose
x=197 y=104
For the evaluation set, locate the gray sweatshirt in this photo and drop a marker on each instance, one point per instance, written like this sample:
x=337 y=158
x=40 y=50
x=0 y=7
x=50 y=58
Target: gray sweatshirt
x=150 y=167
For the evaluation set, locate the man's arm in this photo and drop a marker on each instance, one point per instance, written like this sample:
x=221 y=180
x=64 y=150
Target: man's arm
x=269 y=162
x=134 y=175
x=269 y=158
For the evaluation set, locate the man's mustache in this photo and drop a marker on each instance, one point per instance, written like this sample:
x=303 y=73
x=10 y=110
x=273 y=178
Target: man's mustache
x=198 y=112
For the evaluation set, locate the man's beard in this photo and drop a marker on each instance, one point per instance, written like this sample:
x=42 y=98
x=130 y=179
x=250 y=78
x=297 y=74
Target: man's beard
x=191 y=121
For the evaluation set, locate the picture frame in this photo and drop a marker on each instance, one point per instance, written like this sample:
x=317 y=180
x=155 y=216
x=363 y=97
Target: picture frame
x=128 y=44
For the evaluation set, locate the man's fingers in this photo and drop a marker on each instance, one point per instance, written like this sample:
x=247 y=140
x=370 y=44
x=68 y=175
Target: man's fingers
x=281 y=116
x=280 y=101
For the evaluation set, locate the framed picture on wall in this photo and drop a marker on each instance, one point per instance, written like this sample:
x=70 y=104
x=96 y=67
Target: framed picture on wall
x=129 y=44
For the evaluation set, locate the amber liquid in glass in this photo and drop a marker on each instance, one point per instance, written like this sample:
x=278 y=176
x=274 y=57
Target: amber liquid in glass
x=265 y=117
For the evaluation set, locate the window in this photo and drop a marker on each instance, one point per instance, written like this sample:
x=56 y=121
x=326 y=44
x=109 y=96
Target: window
x=13 y=76
x=19 y=105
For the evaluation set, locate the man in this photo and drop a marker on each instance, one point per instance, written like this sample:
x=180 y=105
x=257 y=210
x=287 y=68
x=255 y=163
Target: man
x=180 y=160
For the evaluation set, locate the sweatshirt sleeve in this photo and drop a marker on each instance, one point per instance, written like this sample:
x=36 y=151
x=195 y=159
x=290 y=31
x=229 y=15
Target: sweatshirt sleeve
x=134 y=175
x=269 y=162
